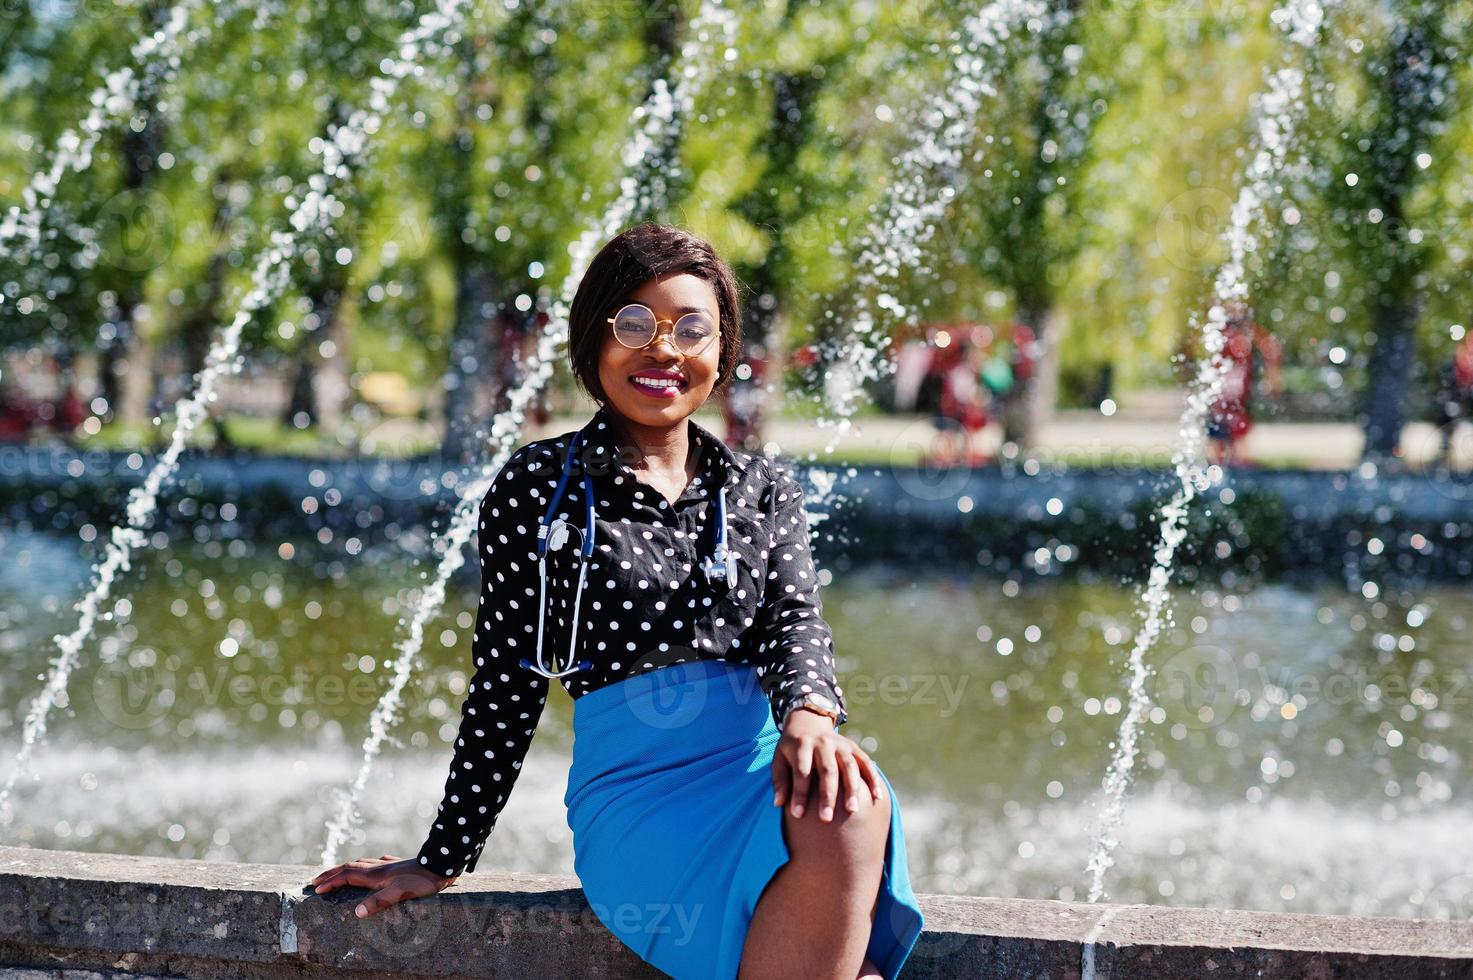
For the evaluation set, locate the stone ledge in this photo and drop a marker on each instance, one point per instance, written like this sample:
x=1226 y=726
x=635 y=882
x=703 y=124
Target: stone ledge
x=81 y=916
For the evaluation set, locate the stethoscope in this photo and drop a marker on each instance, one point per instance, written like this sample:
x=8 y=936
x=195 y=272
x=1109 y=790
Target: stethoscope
x=553 y=534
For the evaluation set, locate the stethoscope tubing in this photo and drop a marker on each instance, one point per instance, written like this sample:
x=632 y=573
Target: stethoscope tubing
x=722 y=562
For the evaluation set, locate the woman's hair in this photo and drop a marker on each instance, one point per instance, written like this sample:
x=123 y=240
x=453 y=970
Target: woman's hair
x=630 y=259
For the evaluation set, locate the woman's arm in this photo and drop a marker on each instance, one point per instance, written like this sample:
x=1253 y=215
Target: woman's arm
x=795 y=647
x=505 y=700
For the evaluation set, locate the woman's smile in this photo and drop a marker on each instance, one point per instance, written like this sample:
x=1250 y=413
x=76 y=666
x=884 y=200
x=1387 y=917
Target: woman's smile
x=659 y=382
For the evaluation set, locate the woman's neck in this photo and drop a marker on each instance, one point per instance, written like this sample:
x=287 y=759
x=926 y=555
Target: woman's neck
x=659 y=449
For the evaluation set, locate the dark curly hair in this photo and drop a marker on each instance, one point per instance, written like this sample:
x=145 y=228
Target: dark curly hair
x=629 y=260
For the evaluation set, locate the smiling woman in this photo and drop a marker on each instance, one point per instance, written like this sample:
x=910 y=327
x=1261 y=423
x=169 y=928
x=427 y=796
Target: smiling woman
x=651 y=276
x=697 y=656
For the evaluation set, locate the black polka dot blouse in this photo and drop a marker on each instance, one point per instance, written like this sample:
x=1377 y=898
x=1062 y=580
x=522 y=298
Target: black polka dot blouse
x=646 y=603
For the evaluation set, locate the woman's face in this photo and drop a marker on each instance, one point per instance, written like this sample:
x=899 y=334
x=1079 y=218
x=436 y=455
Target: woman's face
x=670 y=297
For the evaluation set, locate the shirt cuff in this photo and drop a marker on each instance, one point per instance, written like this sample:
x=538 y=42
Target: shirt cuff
x=445 y=855
x=782 y=704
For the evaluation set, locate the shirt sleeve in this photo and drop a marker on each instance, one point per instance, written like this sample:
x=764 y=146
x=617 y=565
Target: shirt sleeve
x=795 y=646
x=505 y=700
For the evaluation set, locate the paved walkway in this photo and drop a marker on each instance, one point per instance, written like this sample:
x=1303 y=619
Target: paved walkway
x=1086 y=438
x=1143 y=432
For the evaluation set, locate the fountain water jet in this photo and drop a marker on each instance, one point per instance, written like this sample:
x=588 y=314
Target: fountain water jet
x=908 y=215
x=910 y=212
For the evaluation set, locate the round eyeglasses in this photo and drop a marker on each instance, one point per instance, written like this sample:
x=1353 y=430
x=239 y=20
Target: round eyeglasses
x=635 y=326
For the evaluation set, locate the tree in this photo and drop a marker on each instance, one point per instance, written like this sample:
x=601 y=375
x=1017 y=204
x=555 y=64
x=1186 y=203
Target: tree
x=1411 y=85
x=1026 y=206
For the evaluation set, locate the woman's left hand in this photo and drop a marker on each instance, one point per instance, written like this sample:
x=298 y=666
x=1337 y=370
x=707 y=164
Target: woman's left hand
x=811 y=747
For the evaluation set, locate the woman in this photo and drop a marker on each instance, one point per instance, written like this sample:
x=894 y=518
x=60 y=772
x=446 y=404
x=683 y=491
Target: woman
x=700 y=684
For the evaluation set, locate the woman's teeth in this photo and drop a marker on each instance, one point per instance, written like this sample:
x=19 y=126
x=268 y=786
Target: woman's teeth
x=657 y=382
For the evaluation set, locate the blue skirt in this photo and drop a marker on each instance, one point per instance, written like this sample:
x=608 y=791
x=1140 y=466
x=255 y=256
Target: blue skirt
x=674 y=833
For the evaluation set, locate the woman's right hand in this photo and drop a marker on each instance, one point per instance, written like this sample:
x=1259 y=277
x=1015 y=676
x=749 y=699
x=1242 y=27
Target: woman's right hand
x=392 y=879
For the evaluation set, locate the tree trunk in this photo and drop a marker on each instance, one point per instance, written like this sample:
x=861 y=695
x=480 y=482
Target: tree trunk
x=196 y=327
x=324 y=293
x=788 y=131
x=1415 y=99
x=136 y=376
x=301 y=401
x=759 y=318
x=334 y=384
x=1044 y=392
x=470 y=355
x=655 y=175
x=113 y=353
x=140 y=154
x=1390 y=378
x=1029 y=407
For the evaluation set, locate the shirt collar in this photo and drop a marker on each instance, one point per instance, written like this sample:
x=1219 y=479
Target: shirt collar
x=600 y=445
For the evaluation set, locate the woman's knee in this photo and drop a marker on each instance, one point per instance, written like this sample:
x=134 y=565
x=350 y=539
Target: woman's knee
x=850 y=840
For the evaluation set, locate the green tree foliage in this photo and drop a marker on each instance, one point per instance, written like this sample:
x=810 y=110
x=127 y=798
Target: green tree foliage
x=1097 y=182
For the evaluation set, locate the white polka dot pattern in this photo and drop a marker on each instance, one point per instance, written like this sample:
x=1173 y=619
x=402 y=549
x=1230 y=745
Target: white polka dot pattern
x=646 y=604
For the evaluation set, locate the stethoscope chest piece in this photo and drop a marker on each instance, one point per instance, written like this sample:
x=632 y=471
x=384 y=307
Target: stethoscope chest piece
x=557 y=534
x=716 y=570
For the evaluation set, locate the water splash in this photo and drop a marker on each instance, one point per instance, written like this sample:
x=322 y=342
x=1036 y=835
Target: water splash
x=312 y=212
x=913 y=205
x=657 y=125
x=911 y=210
x=156 y=58
x=1276 y=110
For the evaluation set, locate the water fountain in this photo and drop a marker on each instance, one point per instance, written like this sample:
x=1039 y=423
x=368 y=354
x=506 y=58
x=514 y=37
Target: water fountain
x=1275 y=111
x=916 y=200
x=892 y=241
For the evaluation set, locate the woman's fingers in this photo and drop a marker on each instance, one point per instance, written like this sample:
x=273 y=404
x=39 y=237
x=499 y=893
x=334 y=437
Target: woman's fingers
x=330 y=879
x=802 y=776
x=853 y=780
x=872 y=775
x=382 y=898
x=390 y=880
x=782 y=776
x=828 y=782
x=350 y=873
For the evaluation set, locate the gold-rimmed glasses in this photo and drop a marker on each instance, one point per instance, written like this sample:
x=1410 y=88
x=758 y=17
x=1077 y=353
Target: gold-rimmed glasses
x=636 y=327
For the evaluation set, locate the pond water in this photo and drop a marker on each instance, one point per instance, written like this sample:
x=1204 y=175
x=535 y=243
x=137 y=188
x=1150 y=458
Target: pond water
x=1306 y=751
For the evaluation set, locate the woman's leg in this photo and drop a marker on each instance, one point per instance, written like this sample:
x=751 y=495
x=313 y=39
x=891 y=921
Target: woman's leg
x=814 y=918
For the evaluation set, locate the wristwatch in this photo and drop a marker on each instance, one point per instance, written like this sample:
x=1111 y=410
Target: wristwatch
x=814 y=702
